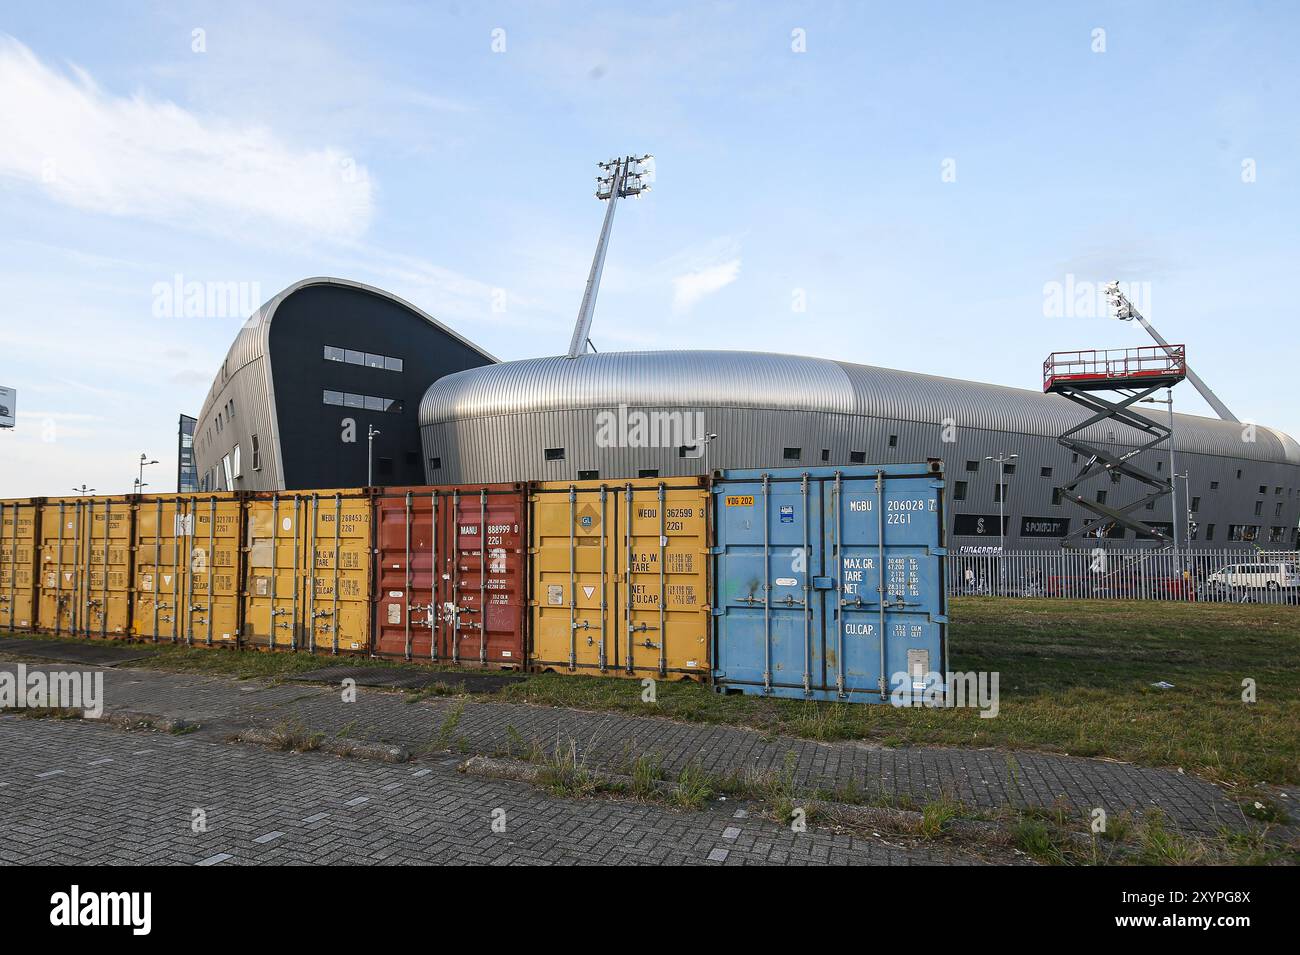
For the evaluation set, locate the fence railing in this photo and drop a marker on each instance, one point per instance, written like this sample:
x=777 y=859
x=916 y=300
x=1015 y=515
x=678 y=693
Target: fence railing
x=1223 y=576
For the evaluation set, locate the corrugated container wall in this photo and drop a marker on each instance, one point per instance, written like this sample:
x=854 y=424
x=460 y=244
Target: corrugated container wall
x=829 y=582
x=620 y=578
x=18 y=519
x=451 y=574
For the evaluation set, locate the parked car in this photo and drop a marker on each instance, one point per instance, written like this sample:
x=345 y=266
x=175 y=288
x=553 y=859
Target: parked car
x=1256 y=577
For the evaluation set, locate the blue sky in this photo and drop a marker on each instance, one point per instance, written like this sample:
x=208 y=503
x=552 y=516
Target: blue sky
x=391 y=144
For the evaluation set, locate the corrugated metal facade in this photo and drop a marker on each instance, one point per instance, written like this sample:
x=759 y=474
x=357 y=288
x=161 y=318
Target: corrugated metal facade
x=497 y=423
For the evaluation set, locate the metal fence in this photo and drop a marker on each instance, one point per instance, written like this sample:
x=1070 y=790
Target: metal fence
x=1222 y=576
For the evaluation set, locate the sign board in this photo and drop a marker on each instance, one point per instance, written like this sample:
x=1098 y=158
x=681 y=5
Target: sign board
x=8 y=406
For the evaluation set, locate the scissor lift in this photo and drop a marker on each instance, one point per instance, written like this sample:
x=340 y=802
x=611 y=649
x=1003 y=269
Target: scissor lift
x=1134 y=373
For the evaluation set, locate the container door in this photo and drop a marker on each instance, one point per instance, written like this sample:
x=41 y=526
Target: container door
x=770 y=569
x=488 y=578
x=339 y=586
x=108 y=569
x=891 y=522
x=406 y=569
x=214 y=568
x=62 y=527
x=273 y=601
x=162 y=533
x=573 y=578
x=17 y=565
x=663 y=605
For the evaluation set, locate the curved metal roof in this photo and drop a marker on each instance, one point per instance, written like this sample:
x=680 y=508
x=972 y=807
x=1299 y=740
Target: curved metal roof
x=761 y=380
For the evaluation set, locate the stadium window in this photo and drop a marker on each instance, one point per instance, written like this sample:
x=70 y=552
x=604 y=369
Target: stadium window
x=334 y=353
x=1008 y=469
x=1196 y=504
x=857 y=457
x=1160 y=465
x=1275 y=535
x=235 y=460
x=354 y=357
x=230 y=474
x=435 y=464
x=392 y=364
x=999 y=493
x=354 y=401
x=588 y=475
x=1151 y=505
x=374 y=361
x=1214 y=485
x=1056 y=497
x=333 y=397
x=257 y=454
x=1263 y=489
x=1101 y=497
x=1277 y=490
x=1277 y=511
x=1238 y=474
x=792 y=454
x=959 y=491
x=1209 y=532
x=1074 y=458
x=893 y=440
x=972 y=466
x=826 y=454
x=555 y=454
x=375 y=404
x=1259 y=506
x=1045 y=472
x=647 y=472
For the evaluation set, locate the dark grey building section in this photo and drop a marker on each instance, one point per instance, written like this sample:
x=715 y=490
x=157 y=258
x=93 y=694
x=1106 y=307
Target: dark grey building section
x=307 y=376
x=565 y=419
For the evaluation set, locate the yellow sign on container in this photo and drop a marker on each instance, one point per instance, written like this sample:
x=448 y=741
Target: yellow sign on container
x=620 y=577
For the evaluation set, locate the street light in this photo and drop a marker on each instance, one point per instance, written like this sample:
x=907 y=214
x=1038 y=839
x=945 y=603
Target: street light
x=370 y=453
x=139 y=485
x=1002 y=460
x=83 y=490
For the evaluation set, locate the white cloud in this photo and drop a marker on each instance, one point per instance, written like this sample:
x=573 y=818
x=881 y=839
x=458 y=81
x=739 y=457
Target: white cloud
x=693 y=286
x=137 y=156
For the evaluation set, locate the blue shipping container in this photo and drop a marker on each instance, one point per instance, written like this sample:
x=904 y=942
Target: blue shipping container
x=798 y=602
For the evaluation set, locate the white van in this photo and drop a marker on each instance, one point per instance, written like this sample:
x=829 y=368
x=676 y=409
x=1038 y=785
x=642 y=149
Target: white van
x=1257 y=576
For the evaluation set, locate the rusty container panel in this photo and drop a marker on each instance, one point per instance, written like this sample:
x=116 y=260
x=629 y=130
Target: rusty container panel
x=604 y=555
x=444 y=554
x=107 y=568
x=187 y=569
x=664 y=578
x=18 y=563
x=60 y=579
x=338 y=546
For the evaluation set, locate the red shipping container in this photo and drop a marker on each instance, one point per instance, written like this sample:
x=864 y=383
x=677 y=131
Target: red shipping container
x=443 y=556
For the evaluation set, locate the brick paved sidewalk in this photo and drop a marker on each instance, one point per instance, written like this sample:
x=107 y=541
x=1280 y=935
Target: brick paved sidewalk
x=983 y=778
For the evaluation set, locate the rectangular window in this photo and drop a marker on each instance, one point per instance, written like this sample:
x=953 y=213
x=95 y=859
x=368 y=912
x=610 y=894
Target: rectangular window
x=257 y=454
x=392 y=364
x=374 y=361
x=1238 y=474
x=1259 y=506
x=1196 y=504
x=1045 y=472
x=1214 y=485
x=354 y=357
x=999 y=493
x=1277 y=511
x=393 y=405
x=230 y=474
x=354 y=401
x=588 y=475
x=333 y=397
x=1263 y=489
x=826 y=454
x=235 y=459
x=334 y=353
x=555 y=454
x=972 y=466
x=435 y=464
x=857 y=457
x=376 y=404
x=959 y=491
x=1209 y=532
x=1160 y=465
x=1101 y=497
x=792 y=454
x=893 y=440
x=1275 y=535
x=1008 y=469
x=647 y=472
x=1056 y=497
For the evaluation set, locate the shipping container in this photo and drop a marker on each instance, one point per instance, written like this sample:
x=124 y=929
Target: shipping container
x=18 y=520
x=620 y=577
x=451 y=574
x=60 y=538
x=307 y=582
x=188 y=564
x=798 y=586
x=85 y=566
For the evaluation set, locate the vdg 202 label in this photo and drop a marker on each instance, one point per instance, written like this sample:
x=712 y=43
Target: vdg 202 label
x=740 y=500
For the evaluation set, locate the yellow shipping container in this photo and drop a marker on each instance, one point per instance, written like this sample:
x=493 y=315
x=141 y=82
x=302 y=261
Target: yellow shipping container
x=85 y=567
x=18 y=520
x=308 y=572
x=620 y=577
x=60 y=538
x=187 y=568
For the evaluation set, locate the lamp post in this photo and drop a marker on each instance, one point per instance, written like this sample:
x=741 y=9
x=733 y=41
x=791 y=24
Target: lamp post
x=370 y=453
x=139 y=484
x=83 y=490
x=1002 y=460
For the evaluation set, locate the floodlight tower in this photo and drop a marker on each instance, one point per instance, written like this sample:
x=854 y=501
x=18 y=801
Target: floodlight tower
x=1125 y=312
x=619 y=178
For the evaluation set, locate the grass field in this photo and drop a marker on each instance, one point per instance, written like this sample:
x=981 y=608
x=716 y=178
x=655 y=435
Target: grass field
x=1075 y=678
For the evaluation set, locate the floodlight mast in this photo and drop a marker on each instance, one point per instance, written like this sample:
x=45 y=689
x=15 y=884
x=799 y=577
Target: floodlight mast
x=619 y=178
x=1125 y=312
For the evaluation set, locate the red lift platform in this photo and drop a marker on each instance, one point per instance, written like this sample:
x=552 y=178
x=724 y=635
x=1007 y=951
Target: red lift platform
x=1135 y=373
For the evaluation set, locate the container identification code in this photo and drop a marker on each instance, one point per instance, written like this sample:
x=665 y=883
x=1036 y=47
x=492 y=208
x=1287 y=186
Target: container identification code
x=740 y=500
